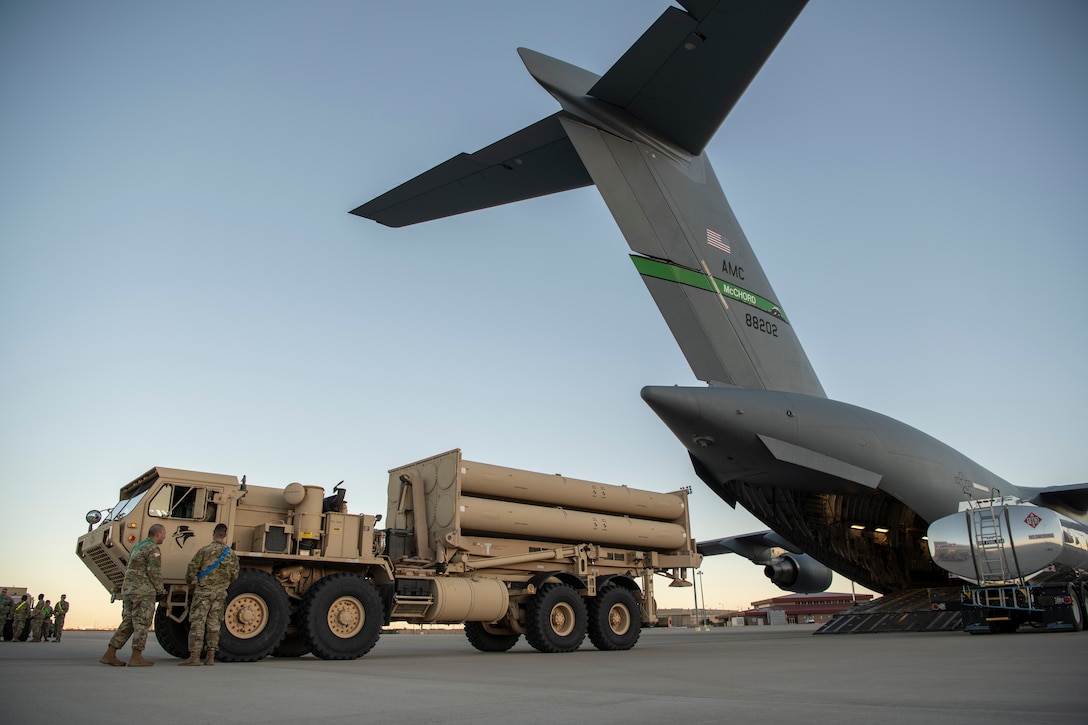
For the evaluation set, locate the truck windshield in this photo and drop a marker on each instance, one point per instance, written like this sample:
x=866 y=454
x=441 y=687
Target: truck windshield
x=126 y=505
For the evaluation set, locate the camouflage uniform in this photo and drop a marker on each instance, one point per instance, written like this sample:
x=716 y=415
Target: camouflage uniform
x=6 y=608
x=18 y=621
x=37 y=618
x=142 y=585
x=59 y=613
x=210 y=597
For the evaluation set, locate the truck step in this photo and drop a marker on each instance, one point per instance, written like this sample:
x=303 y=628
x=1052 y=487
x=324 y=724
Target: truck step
x=410 y=607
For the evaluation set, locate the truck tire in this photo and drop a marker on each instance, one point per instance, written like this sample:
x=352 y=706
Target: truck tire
x=1078 y=611
x=341 y=617
x=254 y=618
x=292 y=644
x=172 y=636
x=485 y=641
x=555 y=619
x=614 y=619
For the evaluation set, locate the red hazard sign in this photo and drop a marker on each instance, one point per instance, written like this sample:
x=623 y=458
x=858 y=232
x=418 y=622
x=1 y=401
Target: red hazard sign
x=1033 y=520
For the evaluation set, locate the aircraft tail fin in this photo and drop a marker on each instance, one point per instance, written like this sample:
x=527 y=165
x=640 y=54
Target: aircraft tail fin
x=696 y=263
x=637 y=133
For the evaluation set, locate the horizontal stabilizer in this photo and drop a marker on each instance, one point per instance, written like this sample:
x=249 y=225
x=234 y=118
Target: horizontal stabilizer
x=535 y=161
x=685 y=74
x=821 y=463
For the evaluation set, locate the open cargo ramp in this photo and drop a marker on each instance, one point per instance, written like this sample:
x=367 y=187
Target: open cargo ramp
x=908 y=611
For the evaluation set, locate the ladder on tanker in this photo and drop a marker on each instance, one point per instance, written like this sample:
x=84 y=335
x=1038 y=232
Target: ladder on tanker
x=993 y=548
x=989 y=543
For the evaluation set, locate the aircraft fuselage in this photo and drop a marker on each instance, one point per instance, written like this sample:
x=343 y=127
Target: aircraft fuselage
x=844 y=480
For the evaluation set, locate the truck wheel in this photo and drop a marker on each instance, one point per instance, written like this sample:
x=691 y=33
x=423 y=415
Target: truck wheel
x=172 y=636
x=292 y=645
x=254 y=618
x=555 y=619
x=341 y=617
x=485 y=641
x=614 y=619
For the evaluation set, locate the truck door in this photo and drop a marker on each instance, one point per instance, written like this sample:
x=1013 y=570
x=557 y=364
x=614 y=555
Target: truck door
x=189 y=514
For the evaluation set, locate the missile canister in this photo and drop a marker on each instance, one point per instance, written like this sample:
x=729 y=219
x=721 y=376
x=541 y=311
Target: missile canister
x=498 y=482
x=510 y=518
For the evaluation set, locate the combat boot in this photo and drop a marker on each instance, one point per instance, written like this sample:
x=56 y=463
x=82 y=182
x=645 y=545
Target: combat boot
x=137 y=659
x=209 y=657
x=194 y=659
x=110 y=658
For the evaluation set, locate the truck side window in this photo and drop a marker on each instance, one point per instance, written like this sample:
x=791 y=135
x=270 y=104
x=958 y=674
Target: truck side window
x=179 y=502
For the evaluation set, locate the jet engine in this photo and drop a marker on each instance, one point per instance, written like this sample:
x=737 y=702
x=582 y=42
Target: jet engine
x=798 y=573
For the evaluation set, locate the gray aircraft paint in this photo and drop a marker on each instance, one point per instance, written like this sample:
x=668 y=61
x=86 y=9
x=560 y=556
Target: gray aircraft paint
x=763 y=434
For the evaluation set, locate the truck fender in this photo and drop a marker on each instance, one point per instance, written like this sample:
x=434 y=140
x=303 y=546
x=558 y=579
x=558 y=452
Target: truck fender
x=619 y=580
x=564 y=576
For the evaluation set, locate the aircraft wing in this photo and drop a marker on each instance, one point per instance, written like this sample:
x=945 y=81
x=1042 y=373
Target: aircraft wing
x=758 y=547
x=535 y=161
x=685 y=74
x=784 y=564
x=1070 y=500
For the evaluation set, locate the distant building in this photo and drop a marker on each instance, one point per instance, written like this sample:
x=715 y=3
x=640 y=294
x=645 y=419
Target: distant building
x=803 y=608
x=786 y=609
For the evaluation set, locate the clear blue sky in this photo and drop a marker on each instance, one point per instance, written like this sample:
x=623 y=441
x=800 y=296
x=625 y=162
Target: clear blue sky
x=181 y=283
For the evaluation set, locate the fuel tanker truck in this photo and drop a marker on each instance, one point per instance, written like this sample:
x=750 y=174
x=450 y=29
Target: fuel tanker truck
x=503 y=551
x=1024 y=564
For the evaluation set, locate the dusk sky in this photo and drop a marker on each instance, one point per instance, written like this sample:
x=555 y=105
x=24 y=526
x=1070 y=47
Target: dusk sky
x=181 y=283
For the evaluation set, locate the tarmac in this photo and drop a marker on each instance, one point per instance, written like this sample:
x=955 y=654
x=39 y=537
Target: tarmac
x=773 y=674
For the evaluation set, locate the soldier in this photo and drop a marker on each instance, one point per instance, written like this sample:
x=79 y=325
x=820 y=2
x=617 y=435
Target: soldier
x=37 y=617
x=18 y=621
x=212 y=568
x=7 y=608
x=47 y=621
x=142 y=586
x=59 y=613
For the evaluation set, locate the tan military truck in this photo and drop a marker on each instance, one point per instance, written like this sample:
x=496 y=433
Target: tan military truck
x=506 y=552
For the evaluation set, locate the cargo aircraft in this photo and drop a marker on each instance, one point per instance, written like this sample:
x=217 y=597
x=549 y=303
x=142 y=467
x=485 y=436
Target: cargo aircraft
x=840 y=487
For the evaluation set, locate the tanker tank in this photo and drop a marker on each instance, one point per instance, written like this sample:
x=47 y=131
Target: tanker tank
x=1005 y=542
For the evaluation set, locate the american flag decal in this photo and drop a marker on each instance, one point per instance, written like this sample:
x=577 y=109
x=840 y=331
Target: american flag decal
x=715 y=240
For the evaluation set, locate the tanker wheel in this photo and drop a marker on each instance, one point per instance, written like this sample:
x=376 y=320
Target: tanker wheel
x=172 y=636
x=341 y=617
x=614 y=620
x=1078 y=612
x=555 y=619
x=486 y=641
x=254 y=618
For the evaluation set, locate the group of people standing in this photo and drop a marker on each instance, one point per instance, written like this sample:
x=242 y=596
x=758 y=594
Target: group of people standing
x=40 y=615
x=211 y=570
